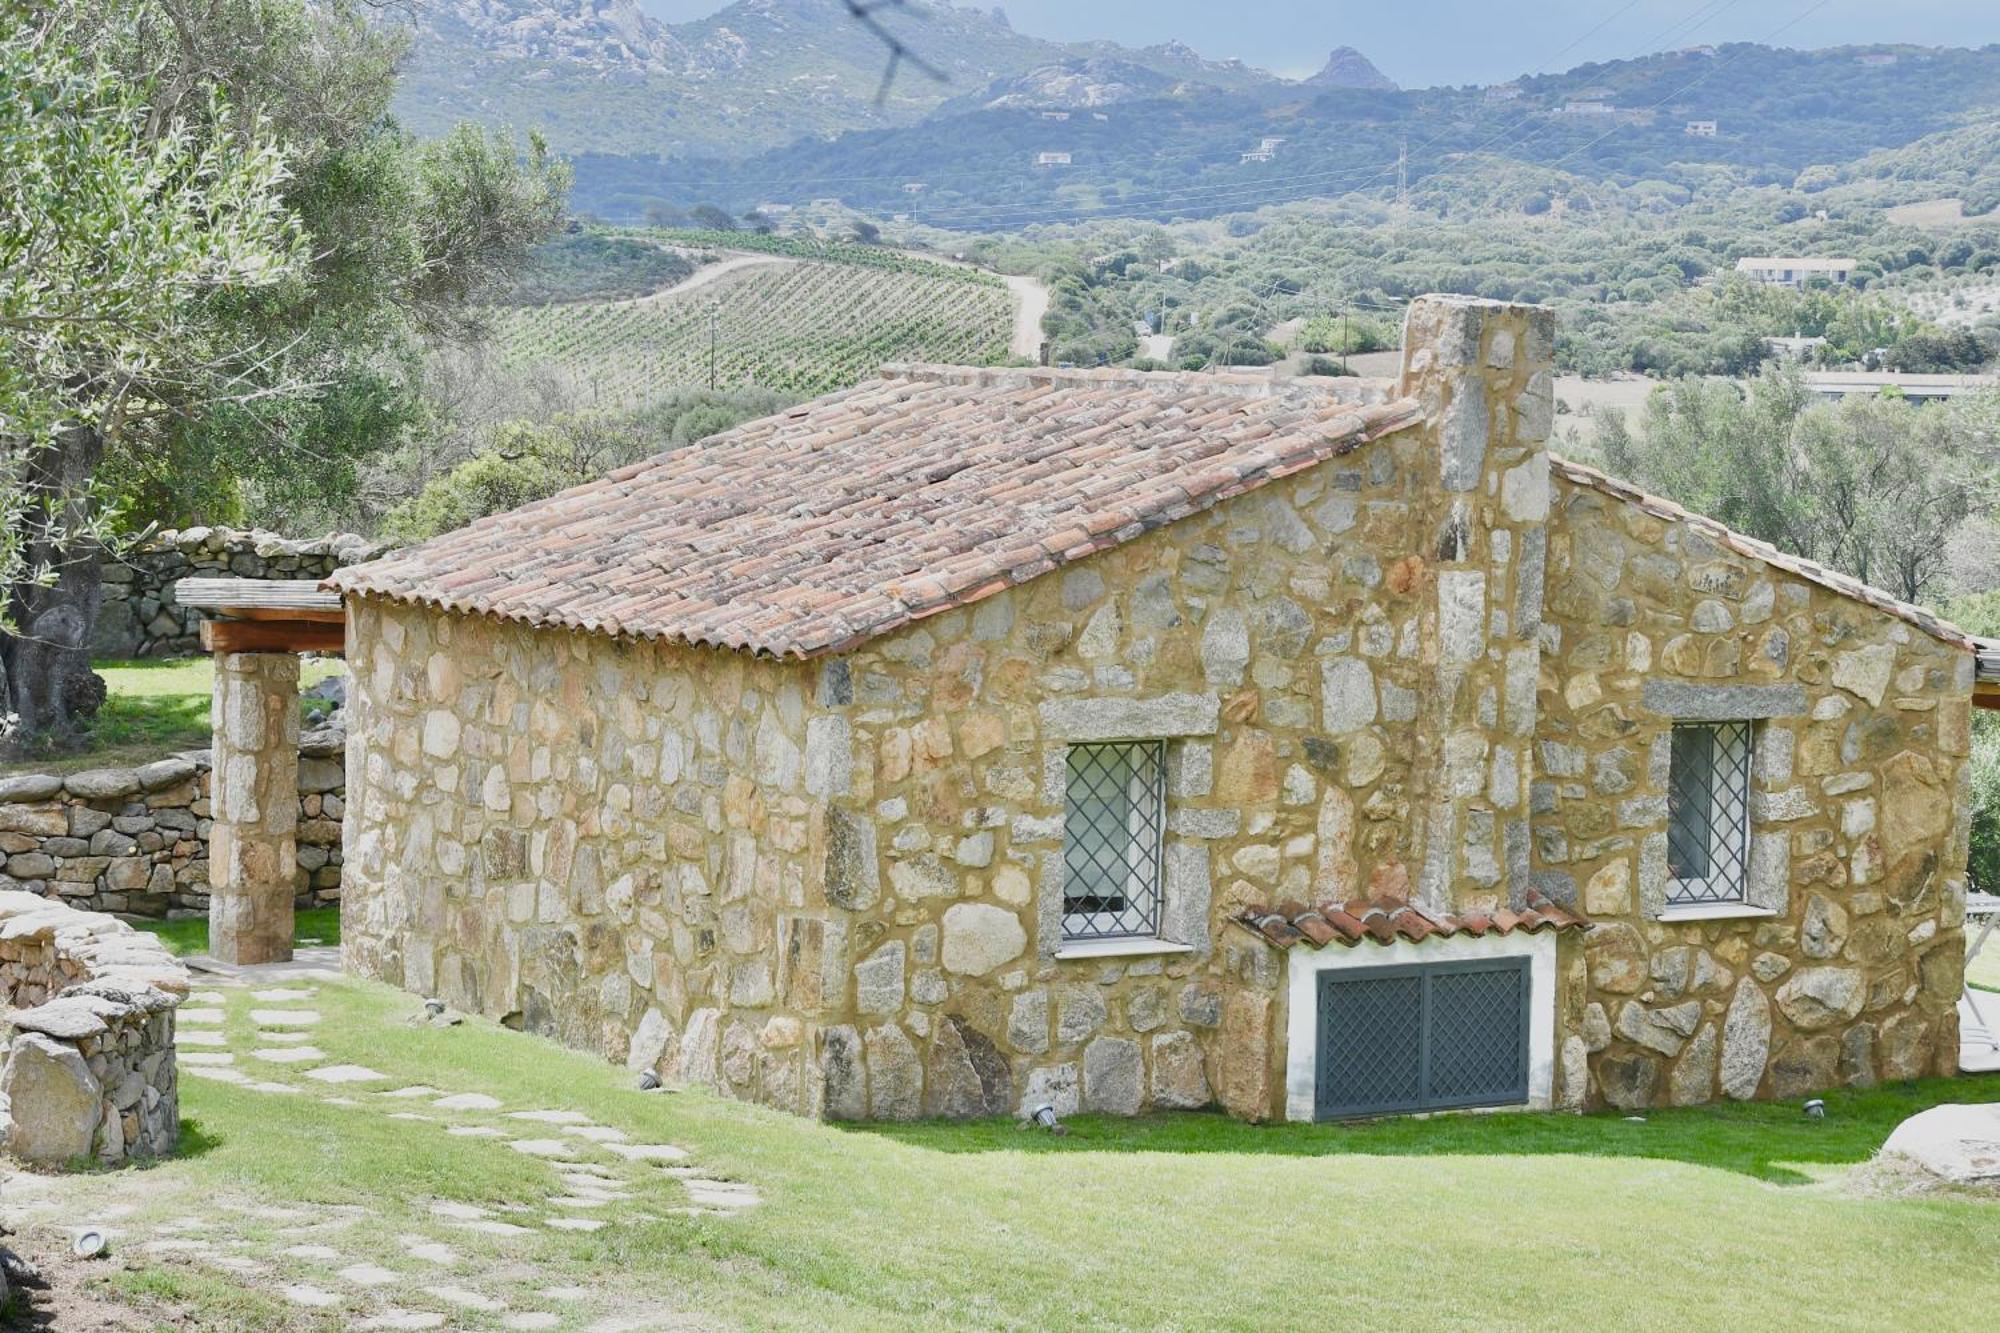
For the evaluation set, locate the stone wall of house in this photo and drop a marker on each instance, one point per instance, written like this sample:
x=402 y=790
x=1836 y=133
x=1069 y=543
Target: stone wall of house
x=135 y=840
x=1859 y=819
x=618 y=846
x=1344 y=662
x=90 y=1060
x=140 y=617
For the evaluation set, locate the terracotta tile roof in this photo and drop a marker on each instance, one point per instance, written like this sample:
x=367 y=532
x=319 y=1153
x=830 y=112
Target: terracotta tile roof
x=855 y=514
x=1388 y=919
x=1729 y=539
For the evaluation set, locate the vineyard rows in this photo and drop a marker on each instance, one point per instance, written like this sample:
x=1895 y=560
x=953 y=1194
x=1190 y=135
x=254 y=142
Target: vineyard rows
x=799 y=328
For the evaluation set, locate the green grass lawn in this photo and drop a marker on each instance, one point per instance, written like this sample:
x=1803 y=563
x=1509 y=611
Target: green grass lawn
x=154 y=707
x=315 y=925
x=1733 y=1216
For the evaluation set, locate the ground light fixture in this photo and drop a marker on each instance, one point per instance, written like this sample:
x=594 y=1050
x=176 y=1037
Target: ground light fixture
x=1044 y=1116
x=1815 y=1109
x=90 y=1243
x=649 y=1082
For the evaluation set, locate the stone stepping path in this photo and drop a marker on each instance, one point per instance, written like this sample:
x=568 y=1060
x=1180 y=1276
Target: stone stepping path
x=288 y=1055
x=597 y=1177
x=467 y=1101
x=300 y=1293
x=284 y=1018
x=345 y=1074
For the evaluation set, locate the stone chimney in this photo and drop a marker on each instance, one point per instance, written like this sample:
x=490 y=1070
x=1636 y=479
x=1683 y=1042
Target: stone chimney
x=1483 y=371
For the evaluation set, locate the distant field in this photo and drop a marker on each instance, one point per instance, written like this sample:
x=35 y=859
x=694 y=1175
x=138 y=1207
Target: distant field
x=1930 y=213
x=798 y=327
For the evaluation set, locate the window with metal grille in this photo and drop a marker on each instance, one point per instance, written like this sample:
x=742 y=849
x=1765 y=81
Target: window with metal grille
x=1114 y=813
x=1708 y=813
x=1422 y=1037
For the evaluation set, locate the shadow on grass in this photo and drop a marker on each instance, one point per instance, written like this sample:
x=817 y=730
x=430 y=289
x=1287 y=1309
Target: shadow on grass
x=189 y=935
x=1765 y=1140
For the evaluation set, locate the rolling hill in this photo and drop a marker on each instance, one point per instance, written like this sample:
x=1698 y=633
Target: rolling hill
x=786 y=317
x=602 y=76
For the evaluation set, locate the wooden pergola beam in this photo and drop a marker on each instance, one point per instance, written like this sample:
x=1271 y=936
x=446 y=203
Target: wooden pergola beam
x=273 y=636
x=260 y=599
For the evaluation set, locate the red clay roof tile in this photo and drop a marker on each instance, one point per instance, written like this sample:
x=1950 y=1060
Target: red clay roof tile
x=861 y=512
x=1389 y=919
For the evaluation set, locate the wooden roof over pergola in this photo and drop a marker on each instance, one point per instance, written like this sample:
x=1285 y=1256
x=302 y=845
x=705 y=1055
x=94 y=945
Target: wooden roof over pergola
x=266 y=615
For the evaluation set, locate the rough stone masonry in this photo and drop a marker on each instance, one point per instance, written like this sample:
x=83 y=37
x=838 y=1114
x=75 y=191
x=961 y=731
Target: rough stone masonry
x=1434 y=666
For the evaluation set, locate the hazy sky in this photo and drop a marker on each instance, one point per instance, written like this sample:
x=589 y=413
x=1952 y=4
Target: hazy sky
x=1421 y=42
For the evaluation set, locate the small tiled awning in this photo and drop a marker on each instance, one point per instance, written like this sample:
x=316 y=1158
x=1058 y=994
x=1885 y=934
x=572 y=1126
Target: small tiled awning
x=1388 y=920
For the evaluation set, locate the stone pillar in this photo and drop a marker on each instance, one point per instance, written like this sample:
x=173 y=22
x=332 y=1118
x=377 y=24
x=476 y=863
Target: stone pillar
x=254 y=805
x=1484 y=372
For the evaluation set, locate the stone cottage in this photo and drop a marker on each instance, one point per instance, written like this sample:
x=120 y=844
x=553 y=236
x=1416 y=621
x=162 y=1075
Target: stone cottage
x=977 y=739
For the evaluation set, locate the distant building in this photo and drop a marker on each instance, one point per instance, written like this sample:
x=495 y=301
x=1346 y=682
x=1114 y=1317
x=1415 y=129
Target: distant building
x=913 y=187
x=1793 y=347
x=1876 y=58
x=1271 y=142
x=1793 y=271
x=773 y=210
x=1258 y=155
x=1099 y=115
x=1700 y=129
x=1917 y=388
x=1503 y=92
x=1052 y=159
x=1586 y=109
x=1055 y=115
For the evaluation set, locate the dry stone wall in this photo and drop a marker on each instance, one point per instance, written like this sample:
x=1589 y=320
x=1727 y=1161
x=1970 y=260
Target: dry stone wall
x=134 y=841
x=90 y=1060
x=1858 y=810
x=140 y=616
x=614 y=845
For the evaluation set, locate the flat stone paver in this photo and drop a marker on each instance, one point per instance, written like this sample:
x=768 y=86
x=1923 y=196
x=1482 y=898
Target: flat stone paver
x=212 y=1073
x=576 y=1223
x=368 y=1275
x=722 y=1193
x=288 y=1055
x=284 y=1018
x=477 y=1132
x=531 y=1319
x=200 y=1037
x=213 y=1059
x=271 y=1035
x=345 y=1074
x=577 y=1201
x=543 y=1147
x=648 y=1152
x=465 y=1298
x=452 y=1208
x=490 y=1227
x=285 y=994
x=204 y=1017
x=313 y=1252
x=597 y=1133
x=402 y=1319
x=207 y=997
x=412 y=1115
x=428 y=1250
x=300 y=1293
x=551 y=1117
x=414 y=1090
x=468 y=1101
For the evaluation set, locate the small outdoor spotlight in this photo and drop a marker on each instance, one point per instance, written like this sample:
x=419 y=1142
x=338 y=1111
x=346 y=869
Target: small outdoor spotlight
x=1815 y=1109
x=1045 y=1117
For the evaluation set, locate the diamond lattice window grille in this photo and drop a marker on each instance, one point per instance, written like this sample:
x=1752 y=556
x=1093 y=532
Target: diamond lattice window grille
x=1708 y=813
x=1114 y=818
